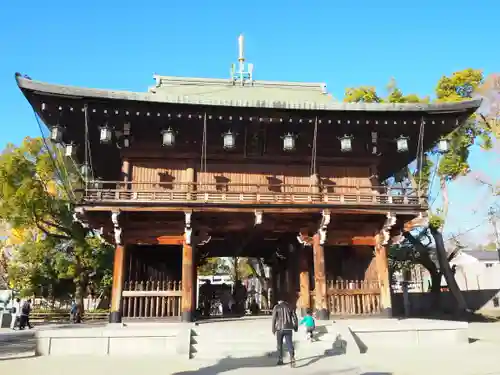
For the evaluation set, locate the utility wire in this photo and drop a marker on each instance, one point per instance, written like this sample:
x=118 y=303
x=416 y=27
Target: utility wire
x=57 y=170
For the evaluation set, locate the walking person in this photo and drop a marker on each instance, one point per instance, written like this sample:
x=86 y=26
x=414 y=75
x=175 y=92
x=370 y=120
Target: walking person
x=25 y=315
x=15 y=314
x=309 y=324
x=284 y=323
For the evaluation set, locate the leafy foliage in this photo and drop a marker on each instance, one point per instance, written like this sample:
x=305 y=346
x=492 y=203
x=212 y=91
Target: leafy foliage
x=36 y=184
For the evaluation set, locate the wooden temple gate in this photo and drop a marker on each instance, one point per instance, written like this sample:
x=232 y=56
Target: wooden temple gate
x=252 y=168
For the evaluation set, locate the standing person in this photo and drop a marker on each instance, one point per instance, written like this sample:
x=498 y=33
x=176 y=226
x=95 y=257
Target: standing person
x=25 y=315
x=284 y=323
x=309 y=324
x=15 y=314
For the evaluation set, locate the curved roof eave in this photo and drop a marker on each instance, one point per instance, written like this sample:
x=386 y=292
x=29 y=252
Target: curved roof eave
x=44 y=88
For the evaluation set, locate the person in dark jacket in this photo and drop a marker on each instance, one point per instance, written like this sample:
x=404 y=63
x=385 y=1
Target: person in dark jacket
x=284 y=323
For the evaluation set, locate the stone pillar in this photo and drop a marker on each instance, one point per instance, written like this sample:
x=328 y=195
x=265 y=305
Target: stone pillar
x=115 y=315
x=305 y=288
x=382 y=264
x=320 y=279
x=188 y=290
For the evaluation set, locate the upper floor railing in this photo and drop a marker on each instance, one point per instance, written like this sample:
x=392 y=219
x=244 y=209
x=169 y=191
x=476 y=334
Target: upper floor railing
x=232 y=193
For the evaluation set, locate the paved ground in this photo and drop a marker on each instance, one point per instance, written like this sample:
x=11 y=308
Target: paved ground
x=478 y=358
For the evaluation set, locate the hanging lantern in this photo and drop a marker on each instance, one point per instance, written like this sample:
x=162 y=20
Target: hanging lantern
x=443 y=145
x=106 y=134
x=346 y=143
x=289 y=142
x=85 y=171
x=56 y=134
x=402 y=143
x=126 y=142
x=168 y=137
x=229 y=140
x=70 y=150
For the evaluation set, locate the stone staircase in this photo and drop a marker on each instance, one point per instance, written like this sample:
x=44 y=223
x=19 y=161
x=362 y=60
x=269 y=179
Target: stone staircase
x=253 y=338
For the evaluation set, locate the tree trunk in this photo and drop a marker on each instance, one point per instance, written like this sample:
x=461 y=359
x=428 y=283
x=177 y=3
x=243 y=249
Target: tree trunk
x=446 y=271
x=425 y=260
x=446 y=200
x=79 y=293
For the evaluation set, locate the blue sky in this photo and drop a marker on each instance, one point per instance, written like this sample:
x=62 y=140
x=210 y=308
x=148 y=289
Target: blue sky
x=120 y=44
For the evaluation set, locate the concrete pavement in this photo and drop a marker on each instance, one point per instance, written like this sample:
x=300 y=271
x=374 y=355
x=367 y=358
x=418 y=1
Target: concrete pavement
x=474 y=359
x=478 y=358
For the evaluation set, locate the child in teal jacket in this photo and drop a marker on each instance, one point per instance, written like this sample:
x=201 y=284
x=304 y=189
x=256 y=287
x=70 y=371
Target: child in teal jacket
x=308 y=322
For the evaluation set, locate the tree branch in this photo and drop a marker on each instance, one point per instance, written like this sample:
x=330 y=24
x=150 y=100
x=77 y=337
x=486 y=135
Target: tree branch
x=54 y=235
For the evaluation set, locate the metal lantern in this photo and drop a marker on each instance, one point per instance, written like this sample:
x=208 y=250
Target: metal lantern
x=106 y=134
x=126 y=142
x=70 y=150
x=229 y=140
x=443 y=145
x=402 y=144
x=168 y=137
x=56 y=134
x=346 y=143
x=289 y=142
x=85 y=171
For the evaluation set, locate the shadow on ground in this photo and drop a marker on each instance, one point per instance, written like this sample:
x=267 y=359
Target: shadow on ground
x=254 y=364
x=17 y=346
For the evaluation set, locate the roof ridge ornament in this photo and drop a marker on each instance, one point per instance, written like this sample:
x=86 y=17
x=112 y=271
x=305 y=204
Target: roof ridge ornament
x=242 y=75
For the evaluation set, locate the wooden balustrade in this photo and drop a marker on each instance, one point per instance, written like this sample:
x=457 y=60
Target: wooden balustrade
x=353 y=297
x=151 y=299
x=179 y=192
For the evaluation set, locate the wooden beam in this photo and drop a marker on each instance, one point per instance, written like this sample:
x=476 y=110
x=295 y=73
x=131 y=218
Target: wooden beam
x=419 y=221
x=335 y=208
x=170 y=240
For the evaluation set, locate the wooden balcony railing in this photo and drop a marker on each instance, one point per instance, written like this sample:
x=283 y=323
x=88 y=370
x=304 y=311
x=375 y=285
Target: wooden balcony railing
x=230 y=193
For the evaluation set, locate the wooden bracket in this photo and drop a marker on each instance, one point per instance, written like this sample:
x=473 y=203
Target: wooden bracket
x=258 y=217
x=304 y=239
x=325 y=221
x=188 y=230
x=79 y=216
x=115 y=215
x=386 y=229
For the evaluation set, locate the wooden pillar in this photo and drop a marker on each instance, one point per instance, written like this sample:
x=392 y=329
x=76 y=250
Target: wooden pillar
x=188 y=290
x=115 y=315
x=190 y=179
x=274 y=286
x=305 y=288
x=382 y=264
x=320 y=279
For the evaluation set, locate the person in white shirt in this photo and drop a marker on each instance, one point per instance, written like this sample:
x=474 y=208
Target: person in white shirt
x=16 y=313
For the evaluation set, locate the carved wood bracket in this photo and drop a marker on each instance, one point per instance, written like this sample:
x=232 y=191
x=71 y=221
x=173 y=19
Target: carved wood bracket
x=385 y=233
x=115 y=218
x=323 y=226
x=258 y=217
x=79 y=216
x=188 y=230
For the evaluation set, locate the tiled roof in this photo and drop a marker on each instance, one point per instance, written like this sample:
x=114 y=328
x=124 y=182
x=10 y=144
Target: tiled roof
x=218 y=92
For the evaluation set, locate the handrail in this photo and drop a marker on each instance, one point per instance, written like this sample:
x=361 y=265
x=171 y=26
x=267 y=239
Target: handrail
x=238 y=184
x=249 y=193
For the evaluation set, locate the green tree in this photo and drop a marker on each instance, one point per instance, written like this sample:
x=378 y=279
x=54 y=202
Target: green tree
x=37 y=195
x=213 y=266
x=461 y=85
